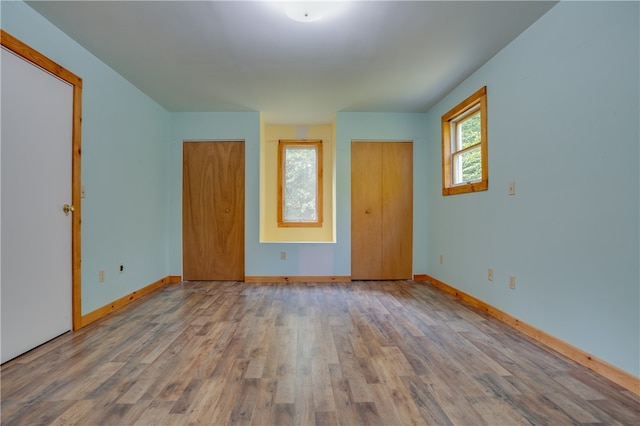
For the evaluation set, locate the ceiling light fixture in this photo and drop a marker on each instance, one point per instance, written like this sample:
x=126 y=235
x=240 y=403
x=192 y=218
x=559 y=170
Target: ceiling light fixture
x=312 y=11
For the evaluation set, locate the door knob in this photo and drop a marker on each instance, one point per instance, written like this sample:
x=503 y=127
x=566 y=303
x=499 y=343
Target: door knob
x=227 y=210
x=67 y=209
x=368 y=211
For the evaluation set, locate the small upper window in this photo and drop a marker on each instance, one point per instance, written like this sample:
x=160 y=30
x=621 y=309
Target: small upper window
x=464 y=146
x=300 y=183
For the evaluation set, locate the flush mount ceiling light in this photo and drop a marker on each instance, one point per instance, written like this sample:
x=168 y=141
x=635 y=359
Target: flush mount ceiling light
x=312 y=11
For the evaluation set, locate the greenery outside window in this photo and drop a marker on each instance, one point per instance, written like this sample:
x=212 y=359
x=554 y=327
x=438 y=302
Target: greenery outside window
x=464 y=146
x=300 y=183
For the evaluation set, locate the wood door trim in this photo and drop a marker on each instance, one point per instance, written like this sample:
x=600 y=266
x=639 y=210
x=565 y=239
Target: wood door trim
x=31 y=55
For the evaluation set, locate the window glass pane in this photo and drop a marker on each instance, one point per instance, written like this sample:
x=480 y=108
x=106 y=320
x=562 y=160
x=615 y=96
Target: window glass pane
x=300 y=184
x=464 y=146
x=468 y=131
x=467 y=167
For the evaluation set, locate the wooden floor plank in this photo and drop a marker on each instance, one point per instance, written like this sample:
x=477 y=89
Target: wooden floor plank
x=75 y=413
x=264 y=411
x=246 y=402
x=494 y=410
x=387 y=353
x=326 y=418
x=155 y=413
x=426 y=402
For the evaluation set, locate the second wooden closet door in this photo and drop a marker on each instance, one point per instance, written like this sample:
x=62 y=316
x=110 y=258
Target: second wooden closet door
x=381 y=210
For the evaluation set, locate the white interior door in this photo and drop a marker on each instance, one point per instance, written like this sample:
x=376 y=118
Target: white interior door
x=36 y=155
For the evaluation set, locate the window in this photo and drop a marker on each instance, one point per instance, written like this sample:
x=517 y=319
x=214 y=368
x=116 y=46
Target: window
x=464 y=146
x=300 y=183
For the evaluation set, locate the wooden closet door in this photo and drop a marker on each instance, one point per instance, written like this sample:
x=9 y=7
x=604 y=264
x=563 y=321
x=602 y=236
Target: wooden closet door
x=366 y=210
x=381 y=210
x=213 y=211
x=397 y=207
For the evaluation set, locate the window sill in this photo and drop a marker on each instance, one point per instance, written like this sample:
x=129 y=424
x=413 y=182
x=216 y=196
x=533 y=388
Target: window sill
x=463 y=189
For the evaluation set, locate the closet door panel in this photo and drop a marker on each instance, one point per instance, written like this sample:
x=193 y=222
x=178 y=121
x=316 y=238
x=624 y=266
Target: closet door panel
x=397 y=210
x=366 y=210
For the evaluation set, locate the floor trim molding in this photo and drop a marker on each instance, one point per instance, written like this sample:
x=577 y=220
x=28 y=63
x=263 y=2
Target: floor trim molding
x=298 y=279
x=611 y=372
x=131 y=297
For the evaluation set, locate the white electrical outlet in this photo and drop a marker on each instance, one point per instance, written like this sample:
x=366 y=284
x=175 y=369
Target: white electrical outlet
x=441 y=259
x=490 y=274
x=283 y=255
x=512 y=282
x=101 y=275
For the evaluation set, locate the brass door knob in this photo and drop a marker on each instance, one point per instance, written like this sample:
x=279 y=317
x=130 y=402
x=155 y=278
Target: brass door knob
x=67 y=209
x=368 y=211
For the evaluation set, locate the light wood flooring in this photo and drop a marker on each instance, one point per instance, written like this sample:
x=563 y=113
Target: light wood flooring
x=374 y=353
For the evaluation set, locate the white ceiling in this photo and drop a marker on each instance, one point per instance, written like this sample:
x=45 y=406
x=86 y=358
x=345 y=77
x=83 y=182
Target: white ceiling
x=387 y=56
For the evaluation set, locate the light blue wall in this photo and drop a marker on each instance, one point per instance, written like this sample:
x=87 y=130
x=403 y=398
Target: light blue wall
x=563 y=124
x=303 y=259
x=124 y=135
